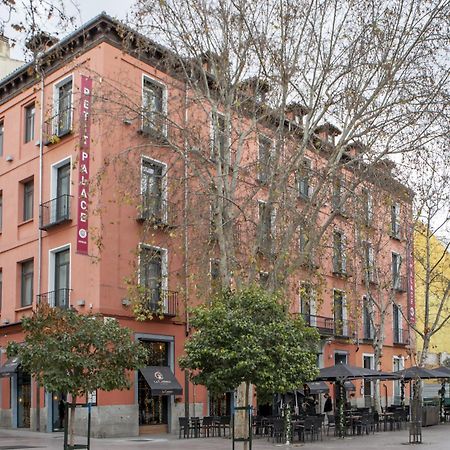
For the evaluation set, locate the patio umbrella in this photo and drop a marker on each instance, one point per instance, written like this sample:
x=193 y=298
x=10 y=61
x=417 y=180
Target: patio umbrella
x=444 y=370
x=346 y=372
x=420 y=372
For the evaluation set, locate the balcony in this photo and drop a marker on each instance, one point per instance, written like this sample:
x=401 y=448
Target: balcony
x=341 y=267
x=160 y=302
x=399 y=283
x=328 y=326
x=157 y=211
x=58 y=125
x=54 y=212
x=396 y=231
x=400 y=336
x=59 y=298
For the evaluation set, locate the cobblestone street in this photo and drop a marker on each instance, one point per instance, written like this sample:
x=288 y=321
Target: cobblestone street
x=434 y=438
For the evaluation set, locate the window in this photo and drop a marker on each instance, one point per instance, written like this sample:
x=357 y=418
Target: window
x=397 y=279
x=398 y=363
x=367 y=318
x=29 y=122
x=153 y=190
x=304 y=176
x=369 y=262
x=338 y=194
x=395 y=221
x=62 y=123
x=265 y=154
x=340 y=314
x=62 y=203
x=1 y=211
x=397 y=324
x=308 y=304
x=153 y=106
x=153 y=276
x=215 y=275
x=2 y=132
x=266 y=218
x=219 y=143
x=26 y=283
x=368 y=363
x=264 y=280
x=339 y=253
x=28 y=200
x=62 y=279
x=367 y=209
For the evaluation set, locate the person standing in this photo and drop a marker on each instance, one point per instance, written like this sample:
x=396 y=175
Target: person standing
x=328 y=407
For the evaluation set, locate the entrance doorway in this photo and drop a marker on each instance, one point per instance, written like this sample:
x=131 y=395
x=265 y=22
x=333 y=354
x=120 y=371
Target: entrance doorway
x=23 y=399
x=58 y=411
x=153 y=409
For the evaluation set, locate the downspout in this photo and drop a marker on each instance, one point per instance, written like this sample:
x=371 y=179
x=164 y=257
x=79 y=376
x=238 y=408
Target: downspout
x=186 y=243
x=40 y=71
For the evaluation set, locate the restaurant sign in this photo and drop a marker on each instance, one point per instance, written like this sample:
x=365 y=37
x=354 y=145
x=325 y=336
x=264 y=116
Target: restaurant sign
x=83 y=166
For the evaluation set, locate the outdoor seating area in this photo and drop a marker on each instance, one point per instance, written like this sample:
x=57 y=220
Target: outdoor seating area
x=208 y=426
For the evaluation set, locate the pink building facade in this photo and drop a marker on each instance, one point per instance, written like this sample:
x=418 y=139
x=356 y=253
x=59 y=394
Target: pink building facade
x=77 y=230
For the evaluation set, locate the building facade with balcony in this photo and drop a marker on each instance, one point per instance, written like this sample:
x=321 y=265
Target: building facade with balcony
x=95 y=215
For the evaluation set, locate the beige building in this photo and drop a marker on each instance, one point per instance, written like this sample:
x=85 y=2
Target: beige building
x=7 y=64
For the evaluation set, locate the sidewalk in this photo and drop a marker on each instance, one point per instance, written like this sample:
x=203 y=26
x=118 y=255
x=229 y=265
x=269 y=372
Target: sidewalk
x=435 y=438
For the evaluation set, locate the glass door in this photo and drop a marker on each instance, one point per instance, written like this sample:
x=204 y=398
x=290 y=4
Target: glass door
x=58 y=411
x=62 y=193
x=23 y=399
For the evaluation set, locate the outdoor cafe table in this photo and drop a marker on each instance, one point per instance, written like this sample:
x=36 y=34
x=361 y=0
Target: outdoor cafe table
x=385 y=416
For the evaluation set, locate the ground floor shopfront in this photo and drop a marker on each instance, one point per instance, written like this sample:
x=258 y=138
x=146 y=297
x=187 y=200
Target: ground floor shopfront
x=146 y=409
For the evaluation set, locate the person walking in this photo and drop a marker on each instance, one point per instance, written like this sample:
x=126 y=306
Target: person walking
x=328 y=407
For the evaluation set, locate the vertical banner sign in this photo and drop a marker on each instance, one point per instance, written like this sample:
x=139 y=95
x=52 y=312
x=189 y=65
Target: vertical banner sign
x=411 y=288
x=83 y=166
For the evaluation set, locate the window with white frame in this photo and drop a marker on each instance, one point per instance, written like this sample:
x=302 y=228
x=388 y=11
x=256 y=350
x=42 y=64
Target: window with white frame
x=62 y=96
x=339 y=253
x=340 y=313
x=308 y=303
x=153 y=106
x=153 y=276
x=397 y=279
x=266 y=223
x=265 y=146
x=304 y=178
x=369 y=262
x=395 y=221
x=397 y=324
x=398 y=363
x=154 y=190
x=59 y=295
x=218 y=132
x=28 y=199
x=367 y=207
x=367 y=313
x=368 y=363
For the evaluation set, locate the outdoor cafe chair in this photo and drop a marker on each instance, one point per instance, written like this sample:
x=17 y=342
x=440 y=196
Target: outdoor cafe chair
x=185 y=427
x=331 y=424
x=277 y=432
x=309 y=428
x=208 y=426
x=224 y=425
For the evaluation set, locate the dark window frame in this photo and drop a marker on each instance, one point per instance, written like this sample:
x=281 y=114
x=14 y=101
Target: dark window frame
x=153 y=105
x=26 y=282
x=28 y=200
x=30 y=113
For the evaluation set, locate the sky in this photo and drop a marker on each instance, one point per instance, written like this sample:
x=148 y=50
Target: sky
x=87 y=10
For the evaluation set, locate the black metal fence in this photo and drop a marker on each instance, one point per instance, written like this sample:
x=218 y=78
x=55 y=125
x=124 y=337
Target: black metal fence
x=55 y=211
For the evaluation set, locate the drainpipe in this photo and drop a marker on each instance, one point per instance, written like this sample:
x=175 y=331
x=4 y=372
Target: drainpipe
x=186 y=244
x=40 y=71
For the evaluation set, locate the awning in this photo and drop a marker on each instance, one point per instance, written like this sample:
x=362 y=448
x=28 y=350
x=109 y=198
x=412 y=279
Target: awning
x=161 y=380
x=318 y=387
x=349 y=386
x=10 y=367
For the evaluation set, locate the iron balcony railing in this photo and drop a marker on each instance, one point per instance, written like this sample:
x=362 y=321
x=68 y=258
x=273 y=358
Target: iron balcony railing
x=156 y=210
x=160 y=301
x=59 y=298
x=401 y=336
x=58 y=125
x=329 y=326
x=399 y=283
x=54 y=212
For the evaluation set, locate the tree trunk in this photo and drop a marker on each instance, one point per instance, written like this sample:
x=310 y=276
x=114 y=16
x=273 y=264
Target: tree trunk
x=241 y=417
x=72 y=421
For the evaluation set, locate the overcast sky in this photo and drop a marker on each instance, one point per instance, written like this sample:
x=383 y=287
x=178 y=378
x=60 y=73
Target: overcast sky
x=87 y=10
